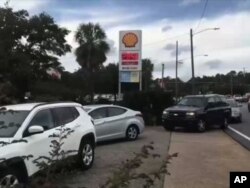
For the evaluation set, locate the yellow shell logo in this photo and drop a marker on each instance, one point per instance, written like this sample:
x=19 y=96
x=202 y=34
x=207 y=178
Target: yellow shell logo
x=130 y=40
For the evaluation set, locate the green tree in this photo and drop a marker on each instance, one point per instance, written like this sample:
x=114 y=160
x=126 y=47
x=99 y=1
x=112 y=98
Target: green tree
x=91 y=53
x=28 y=47
x=147 y=69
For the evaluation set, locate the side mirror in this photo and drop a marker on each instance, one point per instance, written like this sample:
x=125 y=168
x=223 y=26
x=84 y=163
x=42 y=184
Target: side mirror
x=35 y=129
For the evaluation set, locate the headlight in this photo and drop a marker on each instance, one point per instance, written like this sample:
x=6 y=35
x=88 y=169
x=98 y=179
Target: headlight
x=165 y=112
x=190 y=113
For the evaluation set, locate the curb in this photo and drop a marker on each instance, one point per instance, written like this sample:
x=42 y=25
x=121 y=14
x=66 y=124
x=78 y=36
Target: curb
x=239 y=137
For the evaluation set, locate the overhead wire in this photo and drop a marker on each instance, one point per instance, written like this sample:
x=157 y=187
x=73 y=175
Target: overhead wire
x=202 y=14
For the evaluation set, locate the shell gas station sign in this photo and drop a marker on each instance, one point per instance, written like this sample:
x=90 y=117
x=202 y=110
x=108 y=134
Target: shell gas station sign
x=130 y=50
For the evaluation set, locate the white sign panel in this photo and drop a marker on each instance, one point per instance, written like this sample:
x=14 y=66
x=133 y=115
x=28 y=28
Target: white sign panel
x=130 y=76
x=130 y=50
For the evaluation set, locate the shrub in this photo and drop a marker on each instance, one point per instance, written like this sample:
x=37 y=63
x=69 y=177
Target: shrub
x=151 y=104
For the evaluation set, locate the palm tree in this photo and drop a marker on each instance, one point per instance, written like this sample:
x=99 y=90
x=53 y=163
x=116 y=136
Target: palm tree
x=92 y=50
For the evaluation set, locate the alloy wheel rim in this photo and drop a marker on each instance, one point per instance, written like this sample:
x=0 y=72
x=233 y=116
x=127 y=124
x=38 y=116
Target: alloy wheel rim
x=87 y=154
x=132 y=132
x=9 y=181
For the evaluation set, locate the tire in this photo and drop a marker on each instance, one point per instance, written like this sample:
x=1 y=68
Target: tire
x=132 y=132
x=201 y=126
x=240 y=119
x=224 y=124
x=168 y=127
x=10 y=178
x=86 y=154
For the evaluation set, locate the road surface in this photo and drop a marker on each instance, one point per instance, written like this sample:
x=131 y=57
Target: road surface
x=241 y=131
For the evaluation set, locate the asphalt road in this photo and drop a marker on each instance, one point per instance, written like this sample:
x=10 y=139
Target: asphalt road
x=110 y=155
x=241 y=131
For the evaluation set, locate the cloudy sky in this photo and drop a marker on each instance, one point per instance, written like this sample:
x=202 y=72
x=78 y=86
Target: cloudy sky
x=162 y=22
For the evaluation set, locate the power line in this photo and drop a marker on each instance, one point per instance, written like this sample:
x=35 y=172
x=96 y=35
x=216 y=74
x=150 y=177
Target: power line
x=202 y=15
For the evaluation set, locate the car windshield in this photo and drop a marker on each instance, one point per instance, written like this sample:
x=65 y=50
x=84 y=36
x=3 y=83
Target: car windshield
x=232 y=103
x=192 y=101
x=10 y=121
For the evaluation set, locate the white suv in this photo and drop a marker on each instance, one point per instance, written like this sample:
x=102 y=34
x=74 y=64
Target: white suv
x=27 y=129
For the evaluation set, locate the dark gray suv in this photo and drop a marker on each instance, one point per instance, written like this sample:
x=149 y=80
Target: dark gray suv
x=197 y=111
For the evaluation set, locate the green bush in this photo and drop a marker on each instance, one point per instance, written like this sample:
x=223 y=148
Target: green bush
x=150 y=103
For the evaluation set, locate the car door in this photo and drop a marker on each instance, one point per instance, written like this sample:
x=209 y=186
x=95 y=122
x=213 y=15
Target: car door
x=211 y=111
x=220 y=110
x=100 y=116
x=38 y=145
x=117 y=121
x=66 y=121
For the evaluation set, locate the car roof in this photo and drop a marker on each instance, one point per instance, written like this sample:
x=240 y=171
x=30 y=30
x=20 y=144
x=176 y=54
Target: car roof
x=95 y=106
x=31 y=106
x=205 y=96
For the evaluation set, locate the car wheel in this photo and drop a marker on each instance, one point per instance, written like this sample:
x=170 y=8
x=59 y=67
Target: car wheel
x=132 y=132
x=9 y=179
x=240 y=119
x=201 y=125
x=225 y=123
x=168 y=127
x=86 y=154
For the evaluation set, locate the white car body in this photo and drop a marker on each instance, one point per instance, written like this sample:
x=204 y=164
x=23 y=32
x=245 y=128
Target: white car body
x=39 y=144
x=114 y=127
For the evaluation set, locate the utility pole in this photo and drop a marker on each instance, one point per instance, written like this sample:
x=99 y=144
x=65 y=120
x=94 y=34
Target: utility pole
x=162 y=76
x=232 y=84
x=244 y=71
x=192 y=61
x=176 y=73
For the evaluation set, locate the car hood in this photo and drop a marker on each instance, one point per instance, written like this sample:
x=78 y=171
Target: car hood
x=183 y=108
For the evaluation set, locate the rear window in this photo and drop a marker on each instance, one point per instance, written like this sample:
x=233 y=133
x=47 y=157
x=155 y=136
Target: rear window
x=64 y=115
x=115 y=111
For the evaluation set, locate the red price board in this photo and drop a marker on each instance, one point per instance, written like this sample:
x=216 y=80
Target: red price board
x=130 y=56
x=130 y=63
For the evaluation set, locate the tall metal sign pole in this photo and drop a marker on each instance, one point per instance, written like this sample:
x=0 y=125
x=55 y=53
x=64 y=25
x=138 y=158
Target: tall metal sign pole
x=130 y=65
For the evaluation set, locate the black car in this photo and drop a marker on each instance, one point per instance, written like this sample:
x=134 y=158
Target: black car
x=198 y=111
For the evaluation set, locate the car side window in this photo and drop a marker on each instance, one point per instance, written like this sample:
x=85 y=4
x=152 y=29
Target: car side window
x=99 y=113
x=43 y=118
x=221 y=101
x=74 y=112
x=211 y=102
x=115 y=111
x=63 y=115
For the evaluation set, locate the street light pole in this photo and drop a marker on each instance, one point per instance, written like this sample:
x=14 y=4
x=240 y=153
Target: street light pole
x=192 y=53
x=176 y=72
x=192 y=61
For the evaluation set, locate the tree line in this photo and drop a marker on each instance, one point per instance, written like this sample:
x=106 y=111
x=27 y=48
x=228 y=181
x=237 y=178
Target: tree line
x=30 y=45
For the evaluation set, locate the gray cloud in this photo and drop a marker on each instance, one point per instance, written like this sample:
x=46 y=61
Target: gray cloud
x=166 y=28
x=181 y=49
x=214 y=64
x=111 y=46
x=189 y=2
